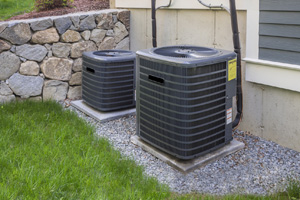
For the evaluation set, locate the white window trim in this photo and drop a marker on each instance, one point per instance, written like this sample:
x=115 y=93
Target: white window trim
x=281 y=75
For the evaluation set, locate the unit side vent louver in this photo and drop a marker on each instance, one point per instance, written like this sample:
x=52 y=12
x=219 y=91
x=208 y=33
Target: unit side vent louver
x=183 y=97
x=108 y=79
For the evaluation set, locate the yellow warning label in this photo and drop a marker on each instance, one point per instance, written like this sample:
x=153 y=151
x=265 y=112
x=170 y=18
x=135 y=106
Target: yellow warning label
x=231 y=69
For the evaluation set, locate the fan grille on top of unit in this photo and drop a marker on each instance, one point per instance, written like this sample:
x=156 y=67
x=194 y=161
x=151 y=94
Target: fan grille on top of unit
x=112 y=53
x=186 y=52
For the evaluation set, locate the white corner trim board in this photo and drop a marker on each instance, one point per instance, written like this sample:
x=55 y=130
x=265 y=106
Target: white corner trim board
x=274 y=74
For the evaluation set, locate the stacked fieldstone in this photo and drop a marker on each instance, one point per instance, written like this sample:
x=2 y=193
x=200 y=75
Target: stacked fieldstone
x=42 y=58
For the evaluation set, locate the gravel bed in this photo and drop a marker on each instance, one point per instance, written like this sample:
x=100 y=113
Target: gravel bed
x=262 y=167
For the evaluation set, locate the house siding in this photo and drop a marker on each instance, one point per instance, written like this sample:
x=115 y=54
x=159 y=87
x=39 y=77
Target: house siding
x=279 y=31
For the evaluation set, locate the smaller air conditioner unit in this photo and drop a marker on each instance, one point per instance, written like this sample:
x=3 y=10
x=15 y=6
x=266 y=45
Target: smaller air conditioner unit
x=108 y=79
x=184 y=98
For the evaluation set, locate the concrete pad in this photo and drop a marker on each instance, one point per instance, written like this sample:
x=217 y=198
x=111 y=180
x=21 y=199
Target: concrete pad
x=101 y=116
x=189 y=165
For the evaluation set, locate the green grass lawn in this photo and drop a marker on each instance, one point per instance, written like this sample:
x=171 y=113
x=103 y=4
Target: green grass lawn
x=49 y=153
x=9 y=8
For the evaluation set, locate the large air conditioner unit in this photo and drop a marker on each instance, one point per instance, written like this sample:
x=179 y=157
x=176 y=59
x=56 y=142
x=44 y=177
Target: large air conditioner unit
x=108 y=79
x=184 y=99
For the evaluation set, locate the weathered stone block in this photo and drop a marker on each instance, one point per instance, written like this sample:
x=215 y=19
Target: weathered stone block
x=9 y=64
x=55 y=90
x=78 y=48
x=97 y=35
x=26 y=86
x=81 y=17
x=75 y=93
x=48 y=47
x=4 y=46
x=62 y=24
x=5 y=90
x=32 y=52
x=76 y=79
x=87 y=23
x=30 y=68
x=61 y=50
x=77 y=65
x=110 y=33
x=17 y=34
x=23 y=59
x=105 y=21
x=50 y=54
x=76 y=22
x=41 y=25
x=124 y=44
x=120 y=32
x=108 y=43
x=2 y=27
x=47 y=36
x=115 y=18
x=124 y=17
x=71 y=36
x=72 y=27
x=57 y=68
x=13 y=48
x=86 y=35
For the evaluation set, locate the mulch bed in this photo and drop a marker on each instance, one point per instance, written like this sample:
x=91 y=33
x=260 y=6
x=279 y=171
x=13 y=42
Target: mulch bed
x=77 y=6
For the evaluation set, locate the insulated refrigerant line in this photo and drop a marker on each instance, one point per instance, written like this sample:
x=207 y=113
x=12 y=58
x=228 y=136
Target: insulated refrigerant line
x=237 y=50
x=154 y=9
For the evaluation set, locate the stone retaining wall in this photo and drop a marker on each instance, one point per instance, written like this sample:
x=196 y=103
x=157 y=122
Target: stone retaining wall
x=41 y=58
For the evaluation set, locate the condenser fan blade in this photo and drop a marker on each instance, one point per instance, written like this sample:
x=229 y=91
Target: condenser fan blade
x=201 y=54
x=185 y=52
x=125 y=54
x=112 y=53
x=118 y=54
x=171 y=51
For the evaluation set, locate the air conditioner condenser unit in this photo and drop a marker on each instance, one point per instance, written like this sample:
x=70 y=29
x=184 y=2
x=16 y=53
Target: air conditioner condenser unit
x=108 y=79
x=184 y=98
